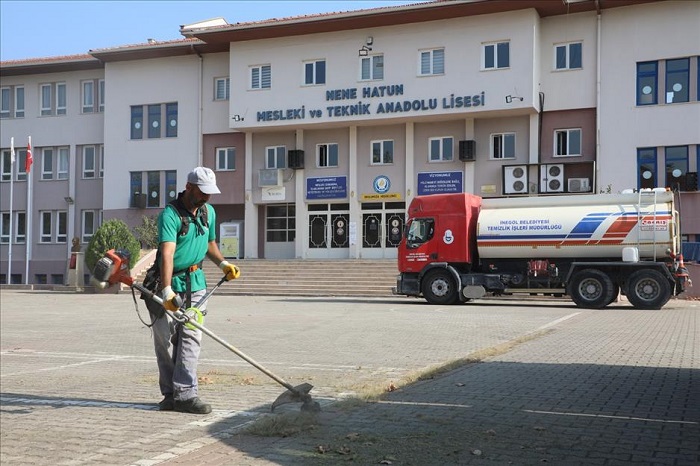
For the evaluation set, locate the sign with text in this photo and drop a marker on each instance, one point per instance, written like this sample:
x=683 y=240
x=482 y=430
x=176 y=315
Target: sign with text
x=439 y=183
x=329 y=187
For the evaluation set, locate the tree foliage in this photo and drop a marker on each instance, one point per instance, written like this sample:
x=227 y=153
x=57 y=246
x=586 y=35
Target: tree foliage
x=147 y=232
x=113 y=234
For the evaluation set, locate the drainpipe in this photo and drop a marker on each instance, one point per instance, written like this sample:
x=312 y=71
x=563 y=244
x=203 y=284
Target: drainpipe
x=200 y=109
x=597 y=98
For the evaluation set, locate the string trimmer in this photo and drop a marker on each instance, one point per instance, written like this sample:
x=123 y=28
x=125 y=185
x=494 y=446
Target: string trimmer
x=113 y=268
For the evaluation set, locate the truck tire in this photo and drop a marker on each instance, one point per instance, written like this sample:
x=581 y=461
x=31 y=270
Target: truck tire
x=648 y=289
x=439 y=287
x=591 y=289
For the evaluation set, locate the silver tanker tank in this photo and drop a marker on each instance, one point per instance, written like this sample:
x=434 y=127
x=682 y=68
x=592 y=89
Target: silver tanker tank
x=581 y=227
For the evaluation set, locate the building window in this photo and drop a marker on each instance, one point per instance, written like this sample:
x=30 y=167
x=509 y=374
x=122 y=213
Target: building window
x=382 y=152
x=63 y=159
x=88 y=224
x=12 y=99
x=101 y=95
x=154 y=121
x=432 y=62
x=567 y=142
x=101 y=172
x=646 y=168
x=88 y=96
x=47 y=163
x=225 y=158
x=53 y=99
x=222 y=88
x=495 y=55
x=441 y=149
x=157 y=113
x=170 y=185
x=171 y=118
x=568 y=56
x=327 y=155
x=89 y=162
x=676 y=163
x=17 y=169
x=5 y=227
x=20 y=227
x=276 y=157
x=315 y=72
x=61 y=226
x=647 y=83
x=153 y=191
x=677 y=80
x=503 y=146
x=372 y=68
x=260 y=77
x=46 y=226
x=280 y=223
x=137 y=122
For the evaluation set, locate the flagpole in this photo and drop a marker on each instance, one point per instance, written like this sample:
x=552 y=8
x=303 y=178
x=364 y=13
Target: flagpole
x=8 y=280
x=28 y=166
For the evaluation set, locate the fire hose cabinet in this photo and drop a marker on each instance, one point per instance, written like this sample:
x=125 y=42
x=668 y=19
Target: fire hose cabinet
x=231 y=239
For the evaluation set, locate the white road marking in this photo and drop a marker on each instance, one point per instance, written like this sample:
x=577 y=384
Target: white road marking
x=416 y=403
x=555 y=322
x=606 y=416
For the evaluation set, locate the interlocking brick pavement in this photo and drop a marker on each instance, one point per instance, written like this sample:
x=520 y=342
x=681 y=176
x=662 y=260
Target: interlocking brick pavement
x=618 y=386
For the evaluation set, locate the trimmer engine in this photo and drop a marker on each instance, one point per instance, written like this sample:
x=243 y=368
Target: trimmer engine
x=113 y=268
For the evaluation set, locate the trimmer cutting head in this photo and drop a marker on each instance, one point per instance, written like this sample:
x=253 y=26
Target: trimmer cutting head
x=300 y=393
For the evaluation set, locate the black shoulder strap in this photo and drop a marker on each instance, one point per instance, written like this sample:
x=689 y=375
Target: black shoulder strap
x=185 y=215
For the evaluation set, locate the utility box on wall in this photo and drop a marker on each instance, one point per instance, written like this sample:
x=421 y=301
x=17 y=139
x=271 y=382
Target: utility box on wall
x=231 y=239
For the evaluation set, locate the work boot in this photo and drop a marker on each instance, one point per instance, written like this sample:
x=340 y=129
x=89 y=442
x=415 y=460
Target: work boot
x=193 y=405
x=168 y=403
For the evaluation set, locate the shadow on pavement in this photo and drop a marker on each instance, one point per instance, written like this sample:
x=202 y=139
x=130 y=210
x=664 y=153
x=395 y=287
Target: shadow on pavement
x=23 y=400
x=506 y=413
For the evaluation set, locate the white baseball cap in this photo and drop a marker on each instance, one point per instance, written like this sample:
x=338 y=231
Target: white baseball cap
x=205 y=179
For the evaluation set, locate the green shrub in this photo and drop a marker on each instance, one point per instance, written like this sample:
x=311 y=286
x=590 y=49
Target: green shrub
x=113 y=234
x=147 y=232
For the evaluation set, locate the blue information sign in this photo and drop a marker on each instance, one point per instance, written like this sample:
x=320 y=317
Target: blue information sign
x=330 y=187
x=439 y=183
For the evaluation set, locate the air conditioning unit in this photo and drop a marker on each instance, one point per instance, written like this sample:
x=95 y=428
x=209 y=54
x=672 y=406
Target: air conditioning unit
x=552 y=178
x=138 y=200
x=579 y=185
x=515 y=179
x=270 y=177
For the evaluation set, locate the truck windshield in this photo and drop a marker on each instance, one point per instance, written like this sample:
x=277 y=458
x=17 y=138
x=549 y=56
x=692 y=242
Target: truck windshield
x=419 y=231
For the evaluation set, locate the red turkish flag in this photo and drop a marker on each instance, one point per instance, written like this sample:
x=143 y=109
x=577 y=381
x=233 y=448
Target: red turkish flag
x=29 y=160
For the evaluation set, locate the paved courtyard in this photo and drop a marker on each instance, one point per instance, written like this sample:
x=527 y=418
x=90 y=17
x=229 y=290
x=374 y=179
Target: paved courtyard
x=548 y=383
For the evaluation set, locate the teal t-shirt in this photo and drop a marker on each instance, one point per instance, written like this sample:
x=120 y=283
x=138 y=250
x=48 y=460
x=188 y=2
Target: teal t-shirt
x=191 y=248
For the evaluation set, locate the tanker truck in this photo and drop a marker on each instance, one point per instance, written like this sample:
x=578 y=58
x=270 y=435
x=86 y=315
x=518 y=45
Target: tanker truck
x=459 y=247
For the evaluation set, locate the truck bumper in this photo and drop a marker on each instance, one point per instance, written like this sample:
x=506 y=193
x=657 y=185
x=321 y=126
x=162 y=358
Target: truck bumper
x=407 y=284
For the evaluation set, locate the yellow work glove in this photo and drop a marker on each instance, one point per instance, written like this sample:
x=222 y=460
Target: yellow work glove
x=232 y=272
x=171 y=301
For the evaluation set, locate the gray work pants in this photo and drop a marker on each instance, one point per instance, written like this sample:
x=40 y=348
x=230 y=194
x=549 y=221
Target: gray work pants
x=177 y=352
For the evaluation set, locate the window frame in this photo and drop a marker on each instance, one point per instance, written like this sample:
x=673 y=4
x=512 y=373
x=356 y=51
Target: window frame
x=225 y=159
x=20 y=224
x=325 y=152
x=314 y=72
x=5 y=102
x=87 y=96
x=44 y=236
x=432 y=62
x=259 y=83
x=641 y=75
x=372 y=67
x=12 y=102
x=669 y=81
x=568 y=132
x=279 y=153
x=653 y=162
x=89 y=174
x=84 y=234
x=567 y=56
x=441 y=149
x=496 y=55
x=226 y=84
x=63 y=153
x=383 y=145
x=5 y=224
x=502 y=146
x=684 y=160
x=47 y=163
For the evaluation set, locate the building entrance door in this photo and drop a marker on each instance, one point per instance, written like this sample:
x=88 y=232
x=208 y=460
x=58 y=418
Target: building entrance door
x=382 y=227
x=328 y=231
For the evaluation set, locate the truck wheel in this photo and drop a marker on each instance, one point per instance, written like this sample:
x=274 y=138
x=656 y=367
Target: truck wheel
x=615 y=293
x=591 y=289
x=439 y=288
x=648 y=289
